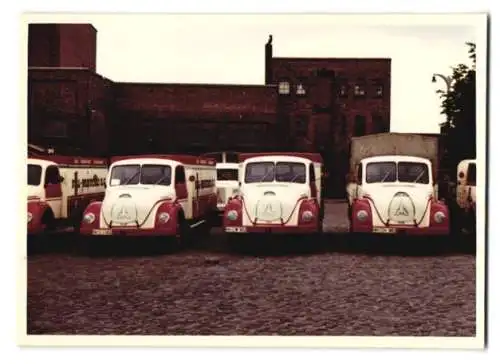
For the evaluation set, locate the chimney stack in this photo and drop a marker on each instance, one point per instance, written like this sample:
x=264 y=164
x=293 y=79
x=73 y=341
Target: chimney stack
x=268 y=60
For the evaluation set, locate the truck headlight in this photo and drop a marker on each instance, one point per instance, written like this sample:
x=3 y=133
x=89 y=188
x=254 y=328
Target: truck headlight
x=30 y=217
x=307 y=216
x=362 y=215
x=439 y=217
x=163 y=218
x=89 y=218
x=232 y=215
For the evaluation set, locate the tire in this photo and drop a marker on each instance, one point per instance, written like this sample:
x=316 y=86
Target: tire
x=182 y=238
x=49 y=221
x=76 y=221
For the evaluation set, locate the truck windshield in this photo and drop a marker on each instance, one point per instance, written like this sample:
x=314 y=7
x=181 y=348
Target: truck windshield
x=34 y=174
x=408 y=172
x=147 y=174
x=291 y=172
x=227 y=174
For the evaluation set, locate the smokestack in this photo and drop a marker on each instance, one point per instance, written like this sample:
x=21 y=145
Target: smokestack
x=269 y=57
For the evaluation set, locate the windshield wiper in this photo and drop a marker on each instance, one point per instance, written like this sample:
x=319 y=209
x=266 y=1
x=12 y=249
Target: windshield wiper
x=161 y=180
x=295 y=177
x=131 y=178
x=385 y=177
x=419 y=176
x=264 y=177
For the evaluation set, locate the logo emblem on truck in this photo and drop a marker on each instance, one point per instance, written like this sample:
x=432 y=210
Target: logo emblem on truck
x=268 y=209
x=123 y=214
x=401 y=210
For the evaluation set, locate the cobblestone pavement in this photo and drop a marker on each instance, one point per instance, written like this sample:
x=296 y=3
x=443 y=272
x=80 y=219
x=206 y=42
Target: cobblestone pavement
x=328 y=287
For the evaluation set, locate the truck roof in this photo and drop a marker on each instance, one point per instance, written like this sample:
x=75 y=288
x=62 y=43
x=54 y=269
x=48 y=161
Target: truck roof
x=314 y=157
x=70 y=161
x=227 y=165
x=179 y=158
x=399 y=158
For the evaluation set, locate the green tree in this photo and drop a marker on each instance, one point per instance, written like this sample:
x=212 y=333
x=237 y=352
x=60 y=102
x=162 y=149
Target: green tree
x=459 y=106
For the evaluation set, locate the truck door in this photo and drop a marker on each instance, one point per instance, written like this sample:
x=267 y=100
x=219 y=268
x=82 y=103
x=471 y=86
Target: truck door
x=53 y=190
x=462 y=184
x=471 y=184
x=181 y=191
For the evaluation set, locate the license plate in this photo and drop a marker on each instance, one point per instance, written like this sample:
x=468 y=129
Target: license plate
x=384 y=230
x=236 y=229
x=101 y=232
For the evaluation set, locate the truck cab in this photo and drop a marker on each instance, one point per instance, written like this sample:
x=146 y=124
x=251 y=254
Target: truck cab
x=45 y=195
x=278 y=193
x=396 y=194
x=153 y=196
x=226 y=183
x=59 y=189
x=466 y=192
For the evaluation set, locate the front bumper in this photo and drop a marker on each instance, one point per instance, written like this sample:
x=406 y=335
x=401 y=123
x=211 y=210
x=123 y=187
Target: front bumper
x=271 y=229
x=127 y=232
x=404 y=230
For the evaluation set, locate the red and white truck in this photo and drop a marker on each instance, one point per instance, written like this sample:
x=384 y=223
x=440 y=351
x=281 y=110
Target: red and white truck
x=392 y=186
x=279 y=193
x=466 y=194
x=154 y=195
x=59 y=190
x=226 y=183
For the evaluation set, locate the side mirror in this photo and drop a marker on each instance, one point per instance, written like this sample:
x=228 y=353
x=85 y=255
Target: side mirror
x=61 y=179
x=239 y=183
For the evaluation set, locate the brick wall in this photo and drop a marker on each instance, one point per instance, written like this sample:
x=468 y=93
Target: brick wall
x=68 y=110
x=43 y=45
x=78 y=45
x=194 y=118
x=331 y=107
x=62 y=45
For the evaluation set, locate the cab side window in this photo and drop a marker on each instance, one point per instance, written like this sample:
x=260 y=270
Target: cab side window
x=471 y=174
x=312 y=174
x=359 y=171
x=52 y=175
x=179 y=175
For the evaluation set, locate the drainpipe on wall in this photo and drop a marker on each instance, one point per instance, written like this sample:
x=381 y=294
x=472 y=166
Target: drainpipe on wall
x=268 y=60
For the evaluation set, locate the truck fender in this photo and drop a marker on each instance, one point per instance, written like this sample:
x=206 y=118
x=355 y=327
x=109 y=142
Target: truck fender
x=42 y=216
x=174 y=210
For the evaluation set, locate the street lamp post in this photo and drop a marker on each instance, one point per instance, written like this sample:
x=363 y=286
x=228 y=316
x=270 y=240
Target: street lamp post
x=447 y=80
x=444 y=143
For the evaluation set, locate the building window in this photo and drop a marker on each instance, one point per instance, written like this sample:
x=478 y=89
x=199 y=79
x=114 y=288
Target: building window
x=302 y=126
x=359 y=125
x=343 y=89
x=300 y=90
x=359 y=90
x=284 y=88
x=378 y=88
x=378 y=125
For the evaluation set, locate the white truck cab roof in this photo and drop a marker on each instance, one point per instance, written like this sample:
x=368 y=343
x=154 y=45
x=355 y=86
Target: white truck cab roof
x=41 y=162
x=160 y=161
x=227 y=165
x=277 y=158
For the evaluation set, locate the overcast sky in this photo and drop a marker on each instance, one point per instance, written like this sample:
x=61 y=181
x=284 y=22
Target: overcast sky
x=230 y=49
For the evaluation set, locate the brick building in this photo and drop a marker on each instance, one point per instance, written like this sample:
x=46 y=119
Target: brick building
x=308 y=104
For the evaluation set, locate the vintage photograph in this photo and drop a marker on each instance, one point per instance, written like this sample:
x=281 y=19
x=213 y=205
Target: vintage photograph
x=255 y=175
